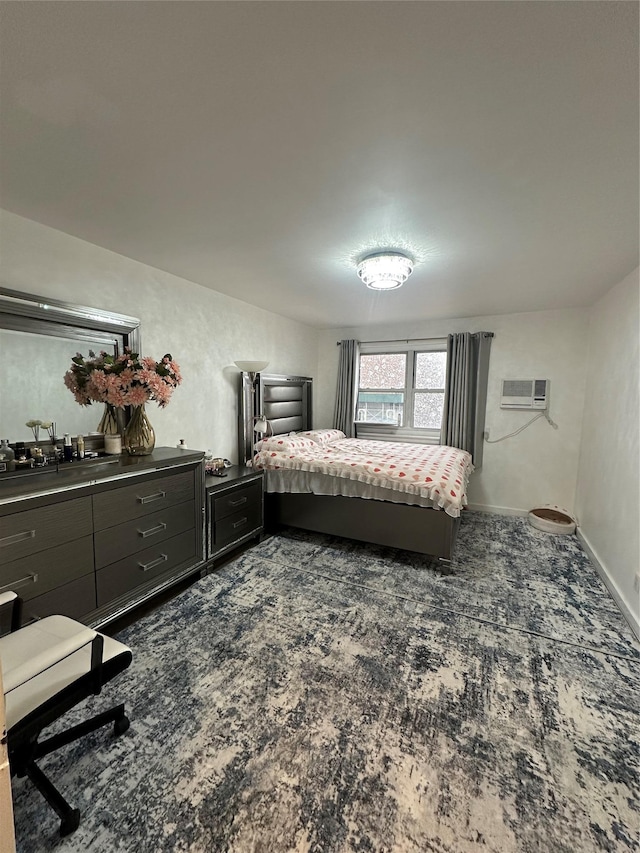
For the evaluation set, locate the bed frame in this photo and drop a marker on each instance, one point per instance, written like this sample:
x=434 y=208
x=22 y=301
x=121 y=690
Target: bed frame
x=286 y=403
x=411 y=528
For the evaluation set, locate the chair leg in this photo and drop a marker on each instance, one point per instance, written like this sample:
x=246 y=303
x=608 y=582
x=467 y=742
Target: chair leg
x=115 y=715
x=69 y=817
x=23 y=762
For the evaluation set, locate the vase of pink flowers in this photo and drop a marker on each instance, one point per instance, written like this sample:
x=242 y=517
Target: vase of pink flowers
x=124 y=381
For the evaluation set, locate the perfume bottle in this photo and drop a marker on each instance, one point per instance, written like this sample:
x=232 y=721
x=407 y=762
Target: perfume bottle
x=80 y=446
x=67 y=448
x=39 y=459
x=23 y=456
x=7 y=456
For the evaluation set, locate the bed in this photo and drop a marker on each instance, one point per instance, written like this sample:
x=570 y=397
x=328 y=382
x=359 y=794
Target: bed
x=401 y=495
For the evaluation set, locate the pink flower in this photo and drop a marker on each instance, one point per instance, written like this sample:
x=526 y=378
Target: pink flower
x=146 y=376
x=162 y=396
x=116 y=398
x=137 y=395
x=98 y=381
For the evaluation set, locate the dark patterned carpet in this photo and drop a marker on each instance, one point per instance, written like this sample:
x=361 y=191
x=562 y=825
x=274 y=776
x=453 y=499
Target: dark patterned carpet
x=320 y=695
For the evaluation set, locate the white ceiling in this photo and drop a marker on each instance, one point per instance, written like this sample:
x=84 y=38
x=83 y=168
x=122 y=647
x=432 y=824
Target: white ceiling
x=260 y=148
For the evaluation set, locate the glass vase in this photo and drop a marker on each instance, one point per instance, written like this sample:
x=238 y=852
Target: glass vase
x=139 y=437
x=109 y=422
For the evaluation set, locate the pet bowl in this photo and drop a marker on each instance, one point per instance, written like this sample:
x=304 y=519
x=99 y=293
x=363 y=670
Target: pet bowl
x=552 y=519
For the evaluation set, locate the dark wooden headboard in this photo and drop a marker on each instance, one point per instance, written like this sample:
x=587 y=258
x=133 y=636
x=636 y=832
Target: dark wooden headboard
x=285 y=401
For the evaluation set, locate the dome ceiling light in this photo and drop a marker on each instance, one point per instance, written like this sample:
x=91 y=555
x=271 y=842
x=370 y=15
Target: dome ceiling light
x=385 y=270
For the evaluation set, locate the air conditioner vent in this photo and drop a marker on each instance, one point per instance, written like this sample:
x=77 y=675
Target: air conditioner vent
x=516 y=388
x=525 y=394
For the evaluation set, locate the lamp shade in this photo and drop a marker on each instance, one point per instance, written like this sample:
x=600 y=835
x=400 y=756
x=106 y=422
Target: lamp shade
x=385 y=270
x=251 y=366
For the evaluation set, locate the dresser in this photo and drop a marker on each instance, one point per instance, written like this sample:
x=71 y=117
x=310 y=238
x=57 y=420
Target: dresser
x=94 y=540
x=235 y=509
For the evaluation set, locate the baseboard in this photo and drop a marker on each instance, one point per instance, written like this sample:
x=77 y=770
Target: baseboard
x=498 y=510
x=629 y=615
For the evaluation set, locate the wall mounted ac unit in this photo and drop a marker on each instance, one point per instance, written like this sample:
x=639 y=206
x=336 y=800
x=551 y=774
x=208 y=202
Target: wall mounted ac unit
x=525 y=394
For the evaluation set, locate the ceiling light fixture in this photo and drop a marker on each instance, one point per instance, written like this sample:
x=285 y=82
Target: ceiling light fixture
x=385 y=270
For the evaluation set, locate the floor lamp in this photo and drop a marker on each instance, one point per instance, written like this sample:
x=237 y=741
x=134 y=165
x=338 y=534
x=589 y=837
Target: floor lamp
x=250 y=371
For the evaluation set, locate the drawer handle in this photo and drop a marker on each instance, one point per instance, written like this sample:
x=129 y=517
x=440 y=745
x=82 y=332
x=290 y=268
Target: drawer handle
x=239 y=523
x=152 y=530
x=17 y=537
x=238 y=501
x=146 y=566
x=147 y=499
x=22 y=582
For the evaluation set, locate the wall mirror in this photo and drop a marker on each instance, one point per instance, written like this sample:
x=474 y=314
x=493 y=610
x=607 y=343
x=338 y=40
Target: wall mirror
x=38 y=339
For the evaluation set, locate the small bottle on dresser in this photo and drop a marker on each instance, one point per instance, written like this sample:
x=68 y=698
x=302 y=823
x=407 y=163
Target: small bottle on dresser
x=80 y=444
x=7 y=456
x=23 y=456
x=39 y=459
x=67 y=448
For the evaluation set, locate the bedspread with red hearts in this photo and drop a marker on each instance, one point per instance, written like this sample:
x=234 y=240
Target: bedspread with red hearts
x=436 y=472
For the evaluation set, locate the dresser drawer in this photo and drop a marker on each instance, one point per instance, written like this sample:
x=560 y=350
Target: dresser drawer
x=117 y=542
x=39 y=573
x=234 y=527
x=142 y=498
x=33 y=530
x=243 y=499
x=75 y=599
x=121 y=577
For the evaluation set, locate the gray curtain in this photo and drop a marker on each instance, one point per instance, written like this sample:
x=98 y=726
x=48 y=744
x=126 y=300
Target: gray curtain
x=465 y=393
x=347 y=390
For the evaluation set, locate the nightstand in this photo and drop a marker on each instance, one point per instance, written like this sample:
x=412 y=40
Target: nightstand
x=235 y=509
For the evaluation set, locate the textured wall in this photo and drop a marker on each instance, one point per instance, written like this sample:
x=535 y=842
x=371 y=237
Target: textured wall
x=204 y=330
x=539 y=465
x=608 y=484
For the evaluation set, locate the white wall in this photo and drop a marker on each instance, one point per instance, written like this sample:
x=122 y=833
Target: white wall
x=538 y=466
x=608 y=493
x=204 y=330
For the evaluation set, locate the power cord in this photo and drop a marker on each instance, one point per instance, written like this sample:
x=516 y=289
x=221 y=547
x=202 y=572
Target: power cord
x=537 y=417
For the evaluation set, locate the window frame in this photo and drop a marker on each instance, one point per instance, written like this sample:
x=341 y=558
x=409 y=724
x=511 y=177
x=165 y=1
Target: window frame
x=389 y=432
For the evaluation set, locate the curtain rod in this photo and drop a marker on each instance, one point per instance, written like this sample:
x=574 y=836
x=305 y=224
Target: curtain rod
x=415 y=340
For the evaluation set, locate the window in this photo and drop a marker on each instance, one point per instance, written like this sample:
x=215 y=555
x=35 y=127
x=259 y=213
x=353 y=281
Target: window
x=381 y=394
x=401 y=392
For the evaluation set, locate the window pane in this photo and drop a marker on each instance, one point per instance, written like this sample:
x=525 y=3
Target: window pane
x=386 y=370
x=427 y=410
x=431 y=369
x=377 y=408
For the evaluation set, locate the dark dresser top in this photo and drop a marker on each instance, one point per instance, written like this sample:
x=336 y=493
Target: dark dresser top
x=79 y=475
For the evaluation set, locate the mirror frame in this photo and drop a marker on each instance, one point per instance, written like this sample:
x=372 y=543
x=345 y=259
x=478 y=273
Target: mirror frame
x=24 y=312
x=40 y=315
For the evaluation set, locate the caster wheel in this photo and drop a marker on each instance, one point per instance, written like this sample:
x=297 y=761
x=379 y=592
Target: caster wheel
x=70 y=822
x=120 y=726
